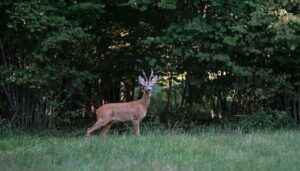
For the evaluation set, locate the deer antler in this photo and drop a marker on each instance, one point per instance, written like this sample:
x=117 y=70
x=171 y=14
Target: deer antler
x=151 y=75
x=144 y=75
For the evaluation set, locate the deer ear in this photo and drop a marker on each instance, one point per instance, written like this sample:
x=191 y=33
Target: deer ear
x=154 y=80
x=142 y=81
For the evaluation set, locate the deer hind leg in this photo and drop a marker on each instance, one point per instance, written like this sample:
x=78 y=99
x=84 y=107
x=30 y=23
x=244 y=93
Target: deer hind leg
x=97 y=125
x=106 y=128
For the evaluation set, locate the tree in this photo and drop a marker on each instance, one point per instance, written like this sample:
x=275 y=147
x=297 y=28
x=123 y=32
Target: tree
x=235 y=57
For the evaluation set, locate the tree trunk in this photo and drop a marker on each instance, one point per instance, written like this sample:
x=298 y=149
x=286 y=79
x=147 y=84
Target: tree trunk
x=169 y=102
x=298 y=111
x=286 y=102
x=295 y=110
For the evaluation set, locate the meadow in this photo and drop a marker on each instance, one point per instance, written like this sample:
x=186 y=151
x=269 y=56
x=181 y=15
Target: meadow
x=203 y=149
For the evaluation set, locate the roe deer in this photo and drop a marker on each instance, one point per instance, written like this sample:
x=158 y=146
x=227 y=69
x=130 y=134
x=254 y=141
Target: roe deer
x=133 y=111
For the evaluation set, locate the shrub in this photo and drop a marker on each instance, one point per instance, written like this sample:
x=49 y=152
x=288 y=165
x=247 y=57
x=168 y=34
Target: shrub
x=273 y=119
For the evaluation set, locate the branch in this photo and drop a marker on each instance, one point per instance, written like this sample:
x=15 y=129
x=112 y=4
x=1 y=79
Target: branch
x=3 y=53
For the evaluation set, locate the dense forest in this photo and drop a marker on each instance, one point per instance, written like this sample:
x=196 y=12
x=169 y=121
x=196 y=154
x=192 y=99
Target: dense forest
x=61 y=58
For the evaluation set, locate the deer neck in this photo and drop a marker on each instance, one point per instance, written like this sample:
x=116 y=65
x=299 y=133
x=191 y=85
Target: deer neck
x=145 y=100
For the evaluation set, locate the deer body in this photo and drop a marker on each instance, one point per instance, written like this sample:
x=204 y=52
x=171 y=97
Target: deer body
x=133 y=111
x=120 y=112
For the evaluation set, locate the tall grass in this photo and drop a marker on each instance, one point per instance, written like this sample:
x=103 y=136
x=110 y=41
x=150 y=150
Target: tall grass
x=203 y=149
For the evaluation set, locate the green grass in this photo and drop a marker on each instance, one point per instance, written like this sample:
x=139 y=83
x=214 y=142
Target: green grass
x=207 y=149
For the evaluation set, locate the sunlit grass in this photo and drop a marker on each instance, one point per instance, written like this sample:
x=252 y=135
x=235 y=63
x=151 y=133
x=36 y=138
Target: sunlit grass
x=157 y=150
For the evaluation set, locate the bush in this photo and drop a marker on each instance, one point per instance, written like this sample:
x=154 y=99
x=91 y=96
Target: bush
x=273 y=119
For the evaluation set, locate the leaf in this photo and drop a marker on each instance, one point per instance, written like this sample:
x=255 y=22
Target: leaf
x=230 y=40
x=167 y=4
x=10 y=25
x=152 y=62
x=293 y=47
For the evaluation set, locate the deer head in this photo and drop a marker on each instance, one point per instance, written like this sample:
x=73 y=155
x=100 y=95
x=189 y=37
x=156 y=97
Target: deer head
x=148 y=83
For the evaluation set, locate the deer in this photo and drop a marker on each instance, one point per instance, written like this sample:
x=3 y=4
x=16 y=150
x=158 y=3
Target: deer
x=133 y=111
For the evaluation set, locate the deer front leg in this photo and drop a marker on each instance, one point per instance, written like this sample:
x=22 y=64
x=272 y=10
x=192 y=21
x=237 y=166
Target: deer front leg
x=136 y=126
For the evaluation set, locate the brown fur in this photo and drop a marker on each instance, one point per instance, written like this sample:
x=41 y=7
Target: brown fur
x=111 y=113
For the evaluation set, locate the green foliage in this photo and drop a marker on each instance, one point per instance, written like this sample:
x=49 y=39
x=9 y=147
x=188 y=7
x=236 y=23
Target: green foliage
x=48 y=57
x=267 y=119
x=59 y=58
x=167 y=4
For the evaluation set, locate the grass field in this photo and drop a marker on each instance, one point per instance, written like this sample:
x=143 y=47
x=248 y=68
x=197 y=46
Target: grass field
x=154 y=150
